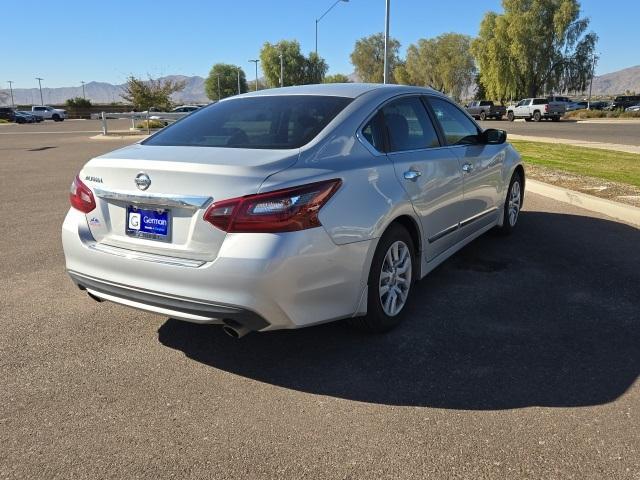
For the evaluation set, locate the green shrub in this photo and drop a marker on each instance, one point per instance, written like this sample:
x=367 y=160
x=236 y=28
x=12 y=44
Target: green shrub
x=630 y=115
x=584 y=114
x=2 y=120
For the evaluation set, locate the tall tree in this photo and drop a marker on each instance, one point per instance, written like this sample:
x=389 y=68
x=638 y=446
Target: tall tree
x=144 y=94
x=368 y=58
x=294 y=63
x=444 y=63
x=315 y=69
x=481 y=92
x=228 y=75
x=533 y=47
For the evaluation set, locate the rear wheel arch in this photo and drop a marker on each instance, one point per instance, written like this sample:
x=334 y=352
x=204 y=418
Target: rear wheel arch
x=412 y=227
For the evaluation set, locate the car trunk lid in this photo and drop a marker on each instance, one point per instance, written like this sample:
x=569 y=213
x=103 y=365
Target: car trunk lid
x=183 y=182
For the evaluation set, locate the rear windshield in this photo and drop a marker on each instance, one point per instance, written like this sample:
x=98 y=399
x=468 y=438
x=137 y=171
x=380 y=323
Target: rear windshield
x=486 y=104
x=269 y=122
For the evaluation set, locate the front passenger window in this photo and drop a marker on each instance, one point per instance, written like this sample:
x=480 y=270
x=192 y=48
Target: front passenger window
x=457 y=127
x=408 y=125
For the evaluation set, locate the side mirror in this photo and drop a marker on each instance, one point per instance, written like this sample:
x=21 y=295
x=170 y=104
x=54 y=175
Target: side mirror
x=493 y=136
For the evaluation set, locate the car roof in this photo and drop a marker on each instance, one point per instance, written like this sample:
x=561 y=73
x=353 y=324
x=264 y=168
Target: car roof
x=349 y=90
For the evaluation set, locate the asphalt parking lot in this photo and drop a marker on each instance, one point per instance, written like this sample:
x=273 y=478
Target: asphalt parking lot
x=519 y=359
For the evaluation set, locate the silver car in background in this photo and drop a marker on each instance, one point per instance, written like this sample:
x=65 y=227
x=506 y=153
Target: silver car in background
x=290 y=207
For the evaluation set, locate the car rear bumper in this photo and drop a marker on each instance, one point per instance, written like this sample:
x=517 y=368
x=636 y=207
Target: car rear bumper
x=260 y=281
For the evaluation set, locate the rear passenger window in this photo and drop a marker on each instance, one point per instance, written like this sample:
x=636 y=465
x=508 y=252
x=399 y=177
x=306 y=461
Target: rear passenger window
x=409 y=126
x=373 y=133
x=457 y=127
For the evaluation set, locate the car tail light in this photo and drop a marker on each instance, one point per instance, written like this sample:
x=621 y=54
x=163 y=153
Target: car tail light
x=284 y=210
x=546 y=108
x=81 y=196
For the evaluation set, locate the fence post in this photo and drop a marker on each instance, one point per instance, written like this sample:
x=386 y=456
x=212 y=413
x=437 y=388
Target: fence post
x=104 y=124
x=133 y=122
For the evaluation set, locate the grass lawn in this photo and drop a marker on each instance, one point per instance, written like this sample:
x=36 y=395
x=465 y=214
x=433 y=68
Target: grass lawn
x=607 y=164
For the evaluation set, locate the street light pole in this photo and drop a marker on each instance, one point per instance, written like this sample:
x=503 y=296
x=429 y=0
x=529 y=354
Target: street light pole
x=322 y=16
x=385 y=78
x=256 y=62
x=10 y=82
x=281 y=71
x=83 y=95
x=40 y=85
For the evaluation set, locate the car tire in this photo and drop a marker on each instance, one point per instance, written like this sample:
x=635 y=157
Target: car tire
x=510 y=116
x=395 y=256
x=512 y=204
x=55 y=117
x=527 y=119
x=555 y=119
x=536 y=116
x=483 y=116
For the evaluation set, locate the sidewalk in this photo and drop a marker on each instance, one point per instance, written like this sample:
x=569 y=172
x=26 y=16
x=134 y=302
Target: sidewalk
x=577 y=143
x=619 y=211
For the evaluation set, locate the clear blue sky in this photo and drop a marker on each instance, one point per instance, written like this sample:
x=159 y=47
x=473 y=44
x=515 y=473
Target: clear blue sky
x=106 y=41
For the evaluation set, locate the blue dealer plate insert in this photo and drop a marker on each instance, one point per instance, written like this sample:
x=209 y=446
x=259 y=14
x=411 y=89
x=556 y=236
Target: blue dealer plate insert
x=146 y=223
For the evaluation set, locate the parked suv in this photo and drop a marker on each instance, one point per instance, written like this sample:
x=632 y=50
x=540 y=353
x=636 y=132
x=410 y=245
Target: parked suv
x=623 y=101
x=7 y=113
x=49 y=113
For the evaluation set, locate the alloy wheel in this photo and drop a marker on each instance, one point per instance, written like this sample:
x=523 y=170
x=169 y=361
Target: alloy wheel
x=395 y=278
x=514 y=203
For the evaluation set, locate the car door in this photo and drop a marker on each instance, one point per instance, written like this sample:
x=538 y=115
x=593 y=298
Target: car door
x=428 y=171
x=525 y=108
x=481 y=164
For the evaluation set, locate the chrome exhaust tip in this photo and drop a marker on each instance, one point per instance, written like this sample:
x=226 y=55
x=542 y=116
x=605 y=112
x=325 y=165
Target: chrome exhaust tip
x=235 y=332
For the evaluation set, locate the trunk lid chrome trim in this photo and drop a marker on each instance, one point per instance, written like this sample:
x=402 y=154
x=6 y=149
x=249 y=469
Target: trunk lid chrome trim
x=190 y=202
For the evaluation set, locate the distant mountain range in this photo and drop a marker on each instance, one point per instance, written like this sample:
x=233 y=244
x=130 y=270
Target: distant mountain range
x=618 y=82
x=101 y=92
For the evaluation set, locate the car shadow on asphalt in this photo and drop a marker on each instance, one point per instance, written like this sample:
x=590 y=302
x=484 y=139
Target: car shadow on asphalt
x=549 y=316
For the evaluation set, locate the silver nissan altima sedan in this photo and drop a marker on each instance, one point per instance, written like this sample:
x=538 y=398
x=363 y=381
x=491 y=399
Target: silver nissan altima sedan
x=290 y=207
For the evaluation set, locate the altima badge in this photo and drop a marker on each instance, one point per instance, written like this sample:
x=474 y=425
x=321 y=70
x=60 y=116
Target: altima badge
x=143 y=181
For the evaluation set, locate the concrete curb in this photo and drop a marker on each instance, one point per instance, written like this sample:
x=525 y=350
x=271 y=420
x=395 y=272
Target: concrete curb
x=616 y=147
x=619 y=211
x=118 y=137
x=627 y=121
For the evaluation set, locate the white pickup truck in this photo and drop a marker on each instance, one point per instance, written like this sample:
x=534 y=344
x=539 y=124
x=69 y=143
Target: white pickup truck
x=49 y=113
x=536 y=109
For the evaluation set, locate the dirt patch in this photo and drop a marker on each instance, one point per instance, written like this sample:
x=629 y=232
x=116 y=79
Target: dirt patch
x=617 y=192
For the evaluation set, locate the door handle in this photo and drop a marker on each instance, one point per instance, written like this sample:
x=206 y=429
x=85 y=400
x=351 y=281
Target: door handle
x=467 y=168
x=412 y=175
